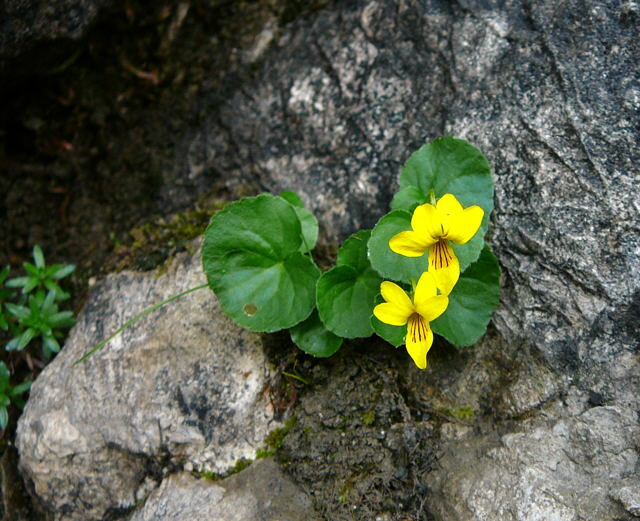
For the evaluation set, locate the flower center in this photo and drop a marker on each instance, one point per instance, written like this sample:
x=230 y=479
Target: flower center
x=442 y=256
x=418 y=330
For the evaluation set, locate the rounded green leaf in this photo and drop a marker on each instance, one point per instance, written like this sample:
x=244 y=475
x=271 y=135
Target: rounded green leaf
x=308 y=221
x=408 y=198
x=253 y=264
x=347 y=292
x=345 y=300
x=313 y=337
x=449 y=165
x=354 y=252
x=388 y=263
x=472 y=302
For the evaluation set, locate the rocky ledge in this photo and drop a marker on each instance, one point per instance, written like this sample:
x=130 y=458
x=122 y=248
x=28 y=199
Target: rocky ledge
x=537 y=421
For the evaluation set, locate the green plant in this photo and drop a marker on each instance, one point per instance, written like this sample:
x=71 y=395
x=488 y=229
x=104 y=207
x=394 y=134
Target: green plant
x=33 y=313
x=257 y=259
x=443 y=278
x=5 y=295
x=39 y=276
x=9 y=394
x=40 y=319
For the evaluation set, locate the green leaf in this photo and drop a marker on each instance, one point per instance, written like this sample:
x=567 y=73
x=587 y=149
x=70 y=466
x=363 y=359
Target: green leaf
x=4 y=377
x=57 y=291
x=4 y=417
x=20 y=312
x=32 y=282
x=27 y=336
x=450 y=165
x=313 y=337
x=49 y=306
x=32 y=270
x=12 y=344
x=408 y=198
x=17 y=282
x=472 y=302
x=308 y=222
x=62 y=319
x=4 y=273
x=49 y=346
x=354 y=251
x=20 y=388
x=253 y=264
x=392 y=334
x=388 y=263
x=346 y=293
x=38 y=257
x=62 y=271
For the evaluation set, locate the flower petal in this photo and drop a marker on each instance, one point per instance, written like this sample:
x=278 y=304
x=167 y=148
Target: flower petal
x=464 y=225
x=432 y=308
x=418 y=340
x=427 y=223
x=426 y=287
x=391 y=314
x=394 y=294
x=446 y=277
x=448 y=205
x=441 y=255
x=409 y=244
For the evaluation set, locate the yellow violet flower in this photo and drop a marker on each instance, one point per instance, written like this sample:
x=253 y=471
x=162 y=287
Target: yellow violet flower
x=398 y=310
x=432 y=228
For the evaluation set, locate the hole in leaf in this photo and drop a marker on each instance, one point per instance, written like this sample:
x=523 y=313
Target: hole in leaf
x=250 y=309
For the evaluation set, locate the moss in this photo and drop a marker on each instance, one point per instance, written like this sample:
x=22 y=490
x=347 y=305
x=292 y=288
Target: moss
x=463 y=413
x=264 y=453
x=212 y=476
x=346 y=490
x=152 y=243
x=460 y=414
x=240 y=465
x=275 y=438
x=369 y=417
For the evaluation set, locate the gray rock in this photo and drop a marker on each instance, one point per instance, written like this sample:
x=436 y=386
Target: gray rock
x=344 y=98
x=549 y=92
x=538 y=421
x=259 y=493
x=25 y=24
x=184 y=386
x=547 y=468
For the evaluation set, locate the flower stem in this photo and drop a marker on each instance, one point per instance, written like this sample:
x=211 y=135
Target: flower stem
x=132 y=321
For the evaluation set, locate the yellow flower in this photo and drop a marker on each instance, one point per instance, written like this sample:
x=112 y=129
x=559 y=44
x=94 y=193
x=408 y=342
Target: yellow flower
x=432 y=228
x=398 y=310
